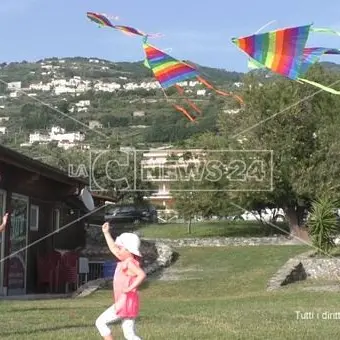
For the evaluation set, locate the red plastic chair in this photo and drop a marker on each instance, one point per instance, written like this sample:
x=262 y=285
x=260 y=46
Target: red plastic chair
x=69 y=269
x=54 y=260
x=45 y=273
x=48 y=270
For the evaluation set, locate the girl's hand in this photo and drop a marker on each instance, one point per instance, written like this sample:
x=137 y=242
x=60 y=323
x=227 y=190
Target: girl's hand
x=4 y=219
x=105 y=227
x=127 y=290
x=4 y=222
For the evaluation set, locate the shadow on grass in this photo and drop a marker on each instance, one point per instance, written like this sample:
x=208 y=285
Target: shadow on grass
x=43 y=330
x=41 y=309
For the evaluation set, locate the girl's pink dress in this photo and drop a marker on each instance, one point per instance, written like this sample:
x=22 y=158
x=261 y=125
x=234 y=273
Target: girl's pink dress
x=126 y=304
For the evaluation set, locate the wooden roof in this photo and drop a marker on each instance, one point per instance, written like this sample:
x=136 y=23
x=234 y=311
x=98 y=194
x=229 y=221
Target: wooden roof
x=21 y=161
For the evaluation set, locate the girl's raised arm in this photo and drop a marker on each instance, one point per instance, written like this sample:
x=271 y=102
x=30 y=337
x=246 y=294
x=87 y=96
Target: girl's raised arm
x=109 y=240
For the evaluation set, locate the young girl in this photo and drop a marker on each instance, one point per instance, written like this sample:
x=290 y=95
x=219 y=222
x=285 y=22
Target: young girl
x=128 y=276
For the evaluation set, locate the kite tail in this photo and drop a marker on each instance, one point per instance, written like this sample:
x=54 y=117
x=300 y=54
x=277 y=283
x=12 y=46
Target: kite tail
x=184 y=111
x=180 y=108
x=222 y=93
x=180 y=90
x=194 y=106
x=322 y=87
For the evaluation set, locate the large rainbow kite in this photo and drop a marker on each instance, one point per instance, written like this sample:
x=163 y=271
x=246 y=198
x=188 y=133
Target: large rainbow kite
x=169 y=72
x=284 y=52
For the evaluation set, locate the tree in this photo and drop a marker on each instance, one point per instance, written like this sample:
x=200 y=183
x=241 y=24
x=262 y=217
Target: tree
x=304 y=138
x=111 y=172
x=200 y=188
x=187 y=205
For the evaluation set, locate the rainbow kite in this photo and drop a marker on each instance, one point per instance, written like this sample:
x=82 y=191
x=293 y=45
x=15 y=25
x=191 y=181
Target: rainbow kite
x=310 y=56
x=169 y=72
x=104 y=21
x=284 y=52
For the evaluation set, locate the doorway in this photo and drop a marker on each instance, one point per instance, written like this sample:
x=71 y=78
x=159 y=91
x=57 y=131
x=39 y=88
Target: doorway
x=2 y=241
x=18 y=245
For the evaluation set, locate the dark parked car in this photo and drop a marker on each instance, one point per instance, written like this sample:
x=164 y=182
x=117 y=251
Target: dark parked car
x=131 y=213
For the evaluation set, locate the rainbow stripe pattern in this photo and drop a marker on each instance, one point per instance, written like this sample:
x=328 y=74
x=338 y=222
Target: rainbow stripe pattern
x=166 y=69
x=129 y=30
x=312 y=54
x=281 y=51
x=99 y=19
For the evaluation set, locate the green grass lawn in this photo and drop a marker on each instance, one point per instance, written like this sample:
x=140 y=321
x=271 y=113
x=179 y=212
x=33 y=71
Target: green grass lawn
x=219 y=294
x=212 y=229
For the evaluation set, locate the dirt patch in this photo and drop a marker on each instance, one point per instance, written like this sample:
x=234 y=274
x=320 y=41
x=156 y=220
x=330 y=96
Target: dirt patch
x=179 y=274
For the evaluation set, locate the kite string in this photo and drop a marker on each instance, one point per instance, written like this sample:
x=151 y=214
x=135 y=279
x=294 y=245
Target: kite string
x=264 y=26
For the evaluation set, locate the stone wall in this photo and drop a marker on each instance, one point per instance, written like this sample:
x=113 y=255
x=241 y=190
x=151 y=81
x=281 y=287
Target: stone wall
x=155 y=256
x=155 y=253
x=322 y=268
x=305 y=266
x=226 y=241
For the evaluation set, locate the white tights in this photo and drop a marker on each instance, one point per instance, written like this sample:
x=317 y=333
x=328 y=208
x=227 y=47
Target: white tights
x=110 y=316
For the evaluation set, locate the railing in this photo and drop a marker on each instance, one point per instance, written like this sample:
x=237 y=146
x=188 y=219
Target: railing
x=167 y=215
x=95 y=270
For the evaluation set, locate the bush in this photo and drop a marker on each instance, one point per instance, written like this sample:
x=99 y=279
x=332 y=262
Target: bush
x=322 y=224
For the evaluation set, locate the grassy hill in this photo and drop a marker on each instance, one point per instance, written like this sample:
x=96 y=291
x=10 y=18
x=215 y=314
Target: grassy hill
x=115 y=110
x=37 y=108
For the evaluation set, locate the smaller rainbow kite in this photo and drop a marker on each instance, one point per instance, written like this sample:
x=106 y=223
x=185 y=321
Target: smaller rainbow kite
x=284 y=52
x=104 y=21
x=170 y=71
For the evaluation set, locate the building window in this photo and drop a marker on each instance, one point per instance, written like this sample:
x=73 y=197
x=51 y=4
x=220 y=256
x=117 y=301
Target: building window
x=56 y=219
x=34 y=218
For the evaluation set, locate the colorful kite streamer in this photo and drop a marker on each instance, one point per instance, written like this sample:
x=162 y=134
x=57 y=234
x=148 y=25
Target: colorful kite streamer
x=169 y=72
x=104 y=21
x=284 y=52
x=324 y=30
x=100 y=19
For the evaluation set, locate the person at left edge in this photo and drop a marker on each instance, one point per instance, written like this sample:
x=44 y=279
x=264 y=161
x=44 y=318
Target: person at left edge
x=4 y=222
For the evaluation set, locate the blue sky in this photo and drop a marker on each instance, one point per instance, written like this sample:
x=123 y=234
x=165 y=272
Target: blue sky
x=196 y=30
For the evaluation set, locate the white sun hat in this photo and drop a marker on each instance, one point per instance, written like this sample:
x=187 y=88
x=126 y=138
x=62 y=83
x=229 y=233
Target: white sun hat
x=130 y=242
